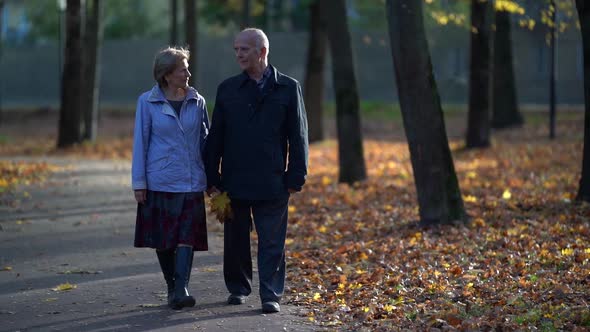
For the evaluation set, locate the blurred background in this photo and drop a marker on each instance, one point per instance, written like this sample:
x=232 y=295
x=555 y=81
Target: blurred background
x=33 y=37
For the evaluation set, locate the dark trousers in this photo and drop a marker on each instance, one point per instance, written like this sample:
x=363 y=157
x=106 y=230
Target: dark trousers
x=270 y=220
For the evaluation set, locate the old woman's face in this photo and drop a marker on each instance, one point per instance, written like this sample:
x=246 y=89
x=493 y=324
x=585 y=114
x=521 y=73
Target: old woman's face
x=178 y=79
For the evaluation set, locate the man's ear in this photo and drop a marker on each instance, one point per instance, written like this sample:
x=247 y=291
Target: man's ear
x=263 y=52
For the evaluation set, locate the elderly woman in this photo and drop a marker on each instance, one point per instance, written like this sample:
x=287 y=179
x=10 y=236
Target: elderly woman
x=168 y=177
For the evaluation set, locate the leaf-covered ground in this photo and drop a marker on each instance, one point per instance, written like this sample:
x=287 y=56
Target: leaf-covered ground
x=357 y=260
x=15 y=173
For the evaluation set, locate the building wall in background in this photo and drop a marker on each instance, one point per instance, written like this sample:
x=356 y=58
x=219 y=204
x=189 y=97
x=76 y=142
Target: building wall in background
x=31 y=74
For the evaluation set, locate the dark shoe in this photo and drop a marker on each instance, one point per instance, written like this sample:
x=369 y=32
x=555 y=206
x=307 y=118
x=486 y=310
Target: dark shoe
x=182 y=268
x=236 y=299
x=271 y=307
x=166 y=259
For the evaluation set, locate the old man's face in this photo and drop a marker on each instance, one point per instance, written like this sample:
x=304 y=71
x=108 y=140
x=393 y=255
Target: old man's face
x=247 y=55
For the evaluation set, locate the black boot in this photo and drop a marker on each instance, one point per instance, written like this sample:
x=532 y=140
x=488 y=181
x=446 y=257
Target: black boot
x=166 y=259
x=182 y=270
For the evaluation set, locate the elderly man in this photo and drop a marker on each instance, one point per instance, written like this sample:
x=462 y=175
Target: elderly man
x=258 y=124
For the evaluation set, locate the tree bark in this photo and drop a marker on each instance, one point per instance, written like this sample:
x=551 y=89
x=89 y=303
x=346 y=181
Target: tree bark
x=190 y=21
x=314 y=73
x=69 y=115
x=439 y=195
x=245 y=13
x=91 y=69
x=505 y=105
x=350 y=142
x=173 y=22
x=480 y=83
x=584 y=16
x=552 y=50
x=1 y=49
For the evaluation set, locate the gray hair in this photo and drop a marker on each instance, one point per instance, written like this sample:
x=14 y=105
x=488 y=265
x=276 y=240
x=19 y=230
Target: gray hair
x=166 y=61
x=259 y=37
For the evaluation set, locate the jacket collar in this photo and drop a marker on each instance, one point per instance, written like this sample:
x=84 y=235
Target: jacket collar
x=157 y=95
x=275 y=77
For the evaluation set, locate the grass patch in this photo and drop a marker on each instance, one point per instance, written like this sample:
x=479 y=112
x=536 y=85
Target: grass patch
x=388 y=111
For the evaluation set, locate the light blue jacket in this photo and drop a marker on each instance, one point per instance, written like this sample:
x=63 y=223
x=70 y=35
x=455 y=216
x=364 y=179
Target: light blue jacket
x=167 y=150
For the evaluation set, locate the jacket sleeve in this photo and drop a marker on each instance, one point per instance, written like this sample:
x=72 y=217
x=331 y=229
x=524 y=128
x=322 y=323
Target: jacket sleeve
x=214 y=144
x=141 y=140
x=298 y=142
x=204 y=129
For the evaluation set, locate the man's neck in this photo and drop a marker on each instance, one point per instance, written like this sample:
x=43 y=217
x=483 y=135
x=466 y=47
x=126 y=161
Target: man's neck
x=256 y=73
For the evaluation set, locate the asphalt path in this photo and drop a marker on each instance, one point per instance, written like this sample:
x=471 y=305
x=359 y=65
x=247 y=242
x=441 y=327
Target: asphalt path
x=77 y=228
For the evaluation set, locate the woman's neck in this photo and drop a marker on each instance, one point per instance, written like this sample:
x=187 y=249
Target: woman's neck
x=172 y=93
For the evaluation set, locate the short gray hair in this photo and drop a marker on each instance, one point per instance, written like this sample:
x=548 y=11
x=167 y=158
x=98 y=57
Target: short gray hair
x=259 y=37
x=166 y=61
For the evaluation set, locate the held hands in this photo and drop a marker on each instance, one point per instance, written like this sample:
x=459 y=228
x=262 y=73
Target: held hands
x=213 y=191
x=140 y=195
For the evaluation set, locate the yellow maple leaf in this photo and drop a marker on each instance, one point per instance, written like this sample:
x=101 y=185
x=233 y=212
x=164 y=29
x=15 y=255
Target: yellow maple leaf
x=220 y=206
x=567 y=251
x=388 y=307
x=64 y=287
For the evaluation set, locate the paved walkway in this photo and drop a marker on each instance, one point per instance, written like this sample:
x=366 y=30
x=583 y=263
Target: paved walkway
x=78 y=228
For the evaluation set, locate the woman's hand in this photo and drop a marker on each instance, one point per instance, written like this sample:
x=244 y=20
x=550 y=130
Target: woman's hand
x=140 y=195
x=212 y=191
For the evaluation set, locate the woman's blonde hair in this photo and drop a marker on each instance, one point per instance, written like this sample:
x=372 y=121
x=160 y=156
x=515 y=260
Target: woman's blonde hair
x=166 y=61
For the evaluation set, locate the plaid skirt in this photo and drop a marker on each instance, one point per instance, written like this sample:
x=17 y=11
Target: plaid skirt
x=168 y=219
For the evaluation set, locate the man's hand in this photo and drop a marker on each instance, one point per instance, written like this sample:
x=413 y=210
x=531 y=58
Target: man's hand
x=140 y=195
x=213 y=191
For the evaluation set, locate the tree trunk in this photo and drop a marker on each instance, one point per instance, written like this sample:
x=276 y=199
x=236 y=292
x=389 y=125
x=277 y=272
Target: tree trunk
x=69 y=114
x=439 y=195
x=584 y=16
x=314 y=74
x=91 y=69
x=245 y=13
x=552 y=49
x=505 y=105
x=350 y=142
x=190 y=21
x=1 y=49
x=480 y=103
x=173 y=22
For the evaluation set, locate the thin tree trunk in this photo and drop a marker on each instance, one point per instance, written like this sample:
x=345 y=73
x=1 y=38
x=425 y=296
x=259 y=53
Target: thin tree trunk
x=480 y=83
x=245 y=13
x=584 y=16
x=350 y=142
x=1 y=49
x=190 y=21
x=91 y=60
x=552 y=41
x=269 y=14
x=173 y=22
x=505 y=105
x=439 y=195
x=314 y=74
x=69 y=115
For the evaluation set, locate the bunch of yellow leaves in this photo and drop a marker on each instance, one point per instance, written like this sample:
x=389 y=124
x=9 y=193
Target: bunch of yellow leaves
x=220 y=206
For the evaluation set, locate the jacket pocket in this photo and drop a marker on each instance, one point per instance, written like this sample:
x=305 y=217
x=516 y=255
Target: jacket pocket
x=157 y=164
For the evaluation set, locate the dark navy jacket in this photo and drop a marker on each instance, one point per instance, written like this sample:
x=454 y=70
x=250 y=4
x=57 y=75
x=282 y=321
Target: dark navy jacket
x=252 y=135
